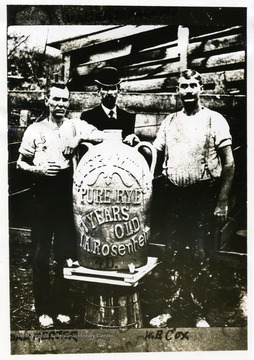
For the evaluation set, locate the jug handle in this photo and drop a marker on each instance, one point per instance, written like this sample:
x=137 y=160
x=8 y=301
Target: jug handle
x=153 y=152
x=89 y=146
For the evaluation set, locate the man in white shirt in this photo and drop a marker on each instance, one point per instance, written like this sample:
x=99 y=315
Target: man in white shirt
x=192 y=193
x=198 y=159
x=47 y=151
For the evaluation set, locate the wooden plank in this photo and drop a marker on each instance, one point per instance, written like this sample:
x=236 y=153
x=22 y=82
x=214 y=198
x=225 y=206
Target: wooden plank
x=225 y=104
x=237 y=57
x=163 y=84
x=183 y=42
x=229 y=75
x=148 y=132
x=149 y=102
x=221 y=43
x=110 y=277
x=154 y=102
x=219 y=79
x=224 y=32
x=235 y=75
x=129 y=56
x=67 y=65
x=93 y=279
x=139 y=102
x=158 y=70
x=115 y=34
x=171 y=103
x=122 y=58
x=135 y=71
x=86 y=69
x=148 y=55
x=144 y=85
x=83 y=100
x=113 y=52
x=166 y=45
x=170 y=53
x=25 y=96
x=98 y=59
x=145 y=120
x=219 y=82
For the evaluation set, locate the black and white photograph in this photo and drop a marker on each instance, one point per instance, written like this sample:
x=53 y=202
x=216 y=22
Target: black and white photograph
x=127 y=179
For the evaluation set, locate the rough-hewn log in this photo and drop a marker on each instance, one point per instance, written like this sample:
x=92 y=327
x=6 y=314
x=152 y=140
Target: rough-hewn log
x=237 y=57
x=140 y=102
x=219 y=43
x=144 y=85
x=115 y=33
x=217 y=82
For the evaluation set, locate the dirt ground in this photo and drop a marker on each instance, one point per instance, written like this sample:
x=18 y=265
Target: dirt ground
x=217 y=292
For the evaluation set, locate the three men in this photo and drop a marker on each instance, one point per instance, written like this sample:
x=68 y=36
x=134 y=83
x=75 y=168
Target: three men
x=197 y=174
x=47 y=151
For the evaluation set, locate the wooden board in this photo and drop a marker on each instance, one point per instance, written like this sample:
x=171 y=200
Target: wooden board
x=116 y=33
x=81 y=273
x=223 y=43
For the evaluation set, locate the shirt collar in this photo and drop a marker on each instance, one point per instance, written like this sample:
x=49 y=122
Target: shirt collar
x=51 y=125
x=107 y=111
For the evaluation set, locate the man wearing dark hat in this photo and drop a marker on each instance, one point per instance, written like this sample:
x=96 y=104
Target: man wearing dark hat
x=108 y=115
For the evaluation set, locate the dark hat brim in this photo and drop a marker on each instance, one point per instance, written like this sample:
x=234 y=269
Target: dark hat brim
x=104 y=84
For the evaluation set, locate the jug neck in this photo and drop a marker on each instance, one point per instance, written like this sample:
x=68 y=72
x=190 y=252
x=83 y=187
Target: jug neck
x=112 y=135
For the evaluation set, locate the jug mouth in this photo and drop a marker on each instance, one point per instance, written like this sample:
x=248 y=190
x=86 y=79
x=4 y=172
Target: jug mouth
x=112 y=134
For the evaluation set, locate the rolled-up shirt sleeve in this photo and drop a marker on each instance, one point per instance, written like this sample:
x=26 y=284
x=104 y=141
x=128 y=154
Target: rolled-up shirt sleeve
x=28 y=144
x=86 y=131
x=222 y=134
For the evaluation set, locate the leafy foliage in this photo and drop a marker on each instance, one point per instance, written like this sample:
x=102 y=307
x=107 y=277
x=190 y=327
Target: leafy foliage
x=30 y=66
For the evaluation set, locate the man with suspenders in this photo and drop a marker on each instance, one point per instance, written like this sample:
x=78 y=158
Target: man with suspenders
x=191 y=195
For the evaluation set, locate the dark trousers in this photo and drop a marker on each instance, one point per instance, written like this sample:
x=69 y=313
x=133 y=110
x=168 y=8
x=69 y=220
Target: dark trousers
x=183 y=216
x=52 y=229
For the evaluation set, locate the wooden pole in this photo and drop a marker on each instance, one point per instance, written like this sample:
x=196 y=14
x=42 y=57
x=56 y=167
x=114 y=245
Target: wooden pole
x=183 y=43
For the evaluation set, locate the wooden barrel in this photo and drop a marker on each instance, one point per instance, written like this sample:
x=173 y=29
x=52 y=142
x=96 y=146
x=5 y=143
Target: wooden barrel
x=113 y=310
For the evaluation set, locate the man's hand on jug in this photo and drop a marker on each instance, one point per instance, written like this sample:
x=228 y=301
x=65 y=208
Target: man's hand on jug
x=131 y=139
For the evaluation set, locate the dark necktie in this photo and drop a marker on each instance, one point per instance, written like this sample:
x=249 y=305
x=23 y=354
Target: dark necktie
x=111 y=115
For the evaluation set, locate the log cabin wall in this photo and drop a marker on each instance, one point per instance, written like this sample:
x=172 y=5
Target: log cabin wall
x=149 y=59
